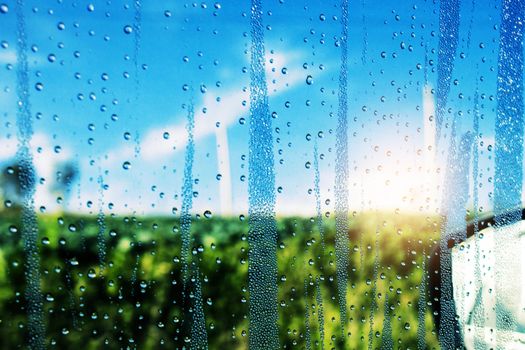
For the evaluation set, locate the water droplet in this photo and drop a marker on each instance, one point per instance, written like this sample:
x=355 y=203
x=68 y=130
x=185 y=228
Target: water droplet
x=128 y=29
x=126 y=165
x=309 y=80
x=4 y=8
x=91 y=7
x=207 y=214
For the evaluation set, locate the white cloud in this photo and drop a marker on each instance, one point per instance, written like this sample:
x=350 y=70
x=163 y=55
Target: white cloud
x=231 y=106
x=7 y=56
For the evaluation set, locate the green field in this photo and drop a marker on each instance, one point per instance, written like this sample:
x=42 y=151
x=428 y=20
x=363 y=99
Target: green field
x=135 y=301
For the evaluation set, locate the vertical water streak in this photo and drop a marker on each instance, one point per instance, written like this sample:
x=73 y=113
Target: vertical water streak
x=317 y=190
x=193 y=306
x=320 y=311
x=508 y=176
x=307 y=337
x=373 y=303
x=137 y=31
x=422 y=305
x=453 y=231
x=262 y=237
x=387 y=343
x=342 y=250
x=137 y=28
x=101 y=221
x=26 y=177
x=187 y=197
x=320 y=228
x=364 y=27
x=447 y=46
x=479 y=311
x=471 y=22
x=199 y=334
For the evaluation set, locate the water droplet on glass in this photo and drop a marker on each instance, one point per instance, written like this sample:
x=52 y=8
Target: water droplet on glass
x=128 y=29
x=309 y=80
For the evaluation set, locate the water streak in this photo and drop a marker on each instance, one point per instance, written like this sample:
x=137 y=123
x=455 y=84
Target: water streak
x=422 y=306
x=509 y=117
x=262 y=237
x=373 y=303
x=194 y=311
x=453 y=231
x=101 y=221
x=447 y=46
x=387 y=343
x=508 y=177
x=479 y=312
x=137 y=28
x=342 y=250
x=187 y=197
x=317 y=190
x=320 y=311
x=199 y=334
x=307 y=337
x=26 y=177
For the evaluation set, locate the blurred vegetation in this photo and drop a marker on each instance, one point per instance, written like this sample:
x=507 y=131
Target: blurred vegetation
x=133 y=298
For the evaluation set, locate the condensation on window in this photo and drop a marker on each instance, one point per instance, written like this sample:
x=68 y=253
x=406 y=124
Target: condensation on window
x=261 y=174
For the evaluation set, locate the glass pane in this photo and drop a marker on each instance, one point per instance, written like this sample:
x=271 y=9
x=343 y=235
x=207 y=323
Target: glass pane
x=261 y=174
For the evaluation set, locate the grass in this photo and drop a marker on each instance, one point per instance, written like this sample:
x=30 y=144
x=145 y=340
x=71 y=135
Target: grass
x=136 y=300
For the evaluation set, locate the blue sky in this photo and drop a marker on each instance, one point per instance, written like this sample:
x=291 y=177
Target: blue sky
x=99 y=70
